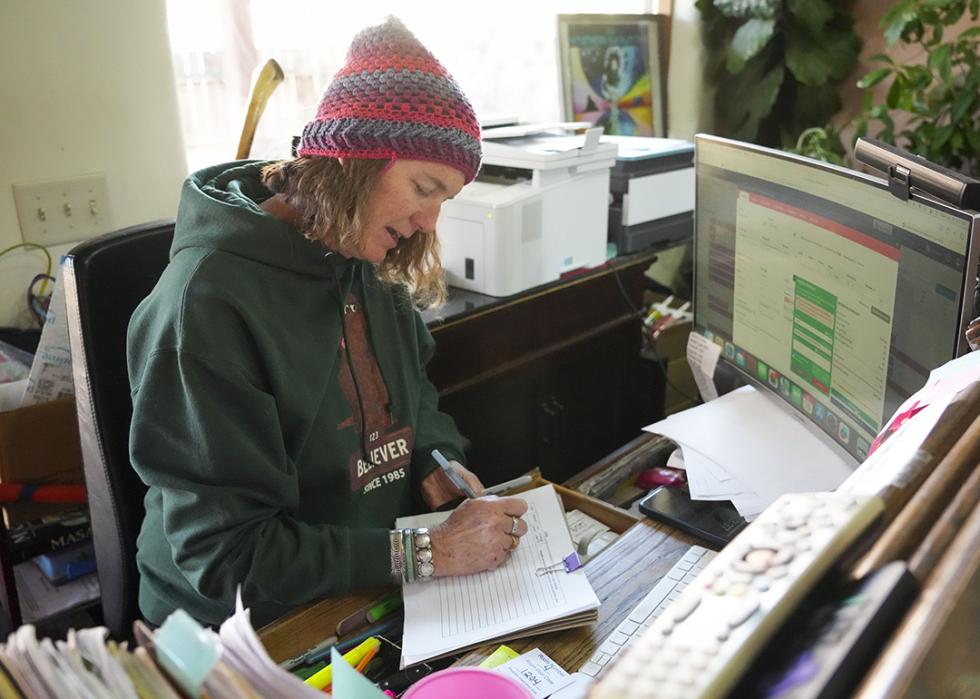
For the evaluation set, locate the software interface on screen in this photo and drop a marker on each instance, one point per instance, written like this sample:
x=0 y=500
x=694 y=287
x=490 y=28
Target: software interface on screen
x=824 y=287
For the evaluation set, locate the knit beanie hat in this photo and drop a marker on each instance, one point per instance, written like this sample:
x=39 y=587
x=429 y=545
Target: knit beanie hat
x=393 y=99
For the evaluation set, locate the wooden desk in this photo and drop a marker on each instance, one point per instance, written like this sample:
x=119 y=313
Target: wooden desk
x=621 y=574
x=550 y=378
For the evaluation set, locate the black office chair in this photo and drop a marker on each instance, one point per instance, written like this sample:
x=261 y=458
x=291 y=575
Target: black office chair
x=105 y=279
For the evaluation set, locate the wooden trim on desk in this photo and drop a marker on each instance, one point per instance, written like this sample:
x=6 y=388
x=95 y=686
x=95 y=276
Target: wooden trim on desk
x=294 y=633
x=620 y=575
x=902 y=665
x=536 y=355
x=611 y=267
x=477 y=345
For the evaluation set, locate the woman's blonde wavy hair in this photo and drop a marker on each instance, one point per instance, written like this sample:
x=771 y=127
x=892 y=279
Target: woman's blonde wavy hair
x=332 y=201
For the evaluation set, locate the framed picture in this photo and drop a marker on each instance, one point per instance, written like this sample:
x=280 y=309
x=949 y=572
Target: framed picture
x=611 y=72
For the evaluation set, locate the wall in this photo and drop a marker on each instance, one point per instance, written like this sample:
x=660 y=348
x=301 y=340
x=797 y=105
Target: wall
x=87 y=87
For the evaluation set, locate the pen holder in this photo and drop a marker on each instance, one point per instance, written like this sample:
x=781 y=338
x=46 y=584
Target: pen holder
x=469 y=682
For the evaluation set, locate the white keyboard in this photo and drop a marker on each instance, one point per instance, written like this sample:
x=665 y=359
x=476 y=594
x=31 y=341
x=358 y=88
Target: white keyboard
x=667 y=589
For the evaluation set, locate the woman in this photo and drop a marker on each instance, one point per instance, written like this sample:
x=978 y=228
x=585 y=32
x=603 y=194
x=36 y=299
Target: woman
x=281 y=414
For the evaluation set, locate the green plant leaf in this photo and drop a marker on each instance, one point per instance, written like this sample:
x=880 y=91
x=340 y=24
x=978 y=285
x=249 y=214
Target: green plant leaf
x=897 y=18
x=969 y=33
x=941 y=135
x=815 y=105
x=940 y=60
x=740 y=9
x=813 y=14
x=884 y=57
x=874 y=77
x=814 y=61
x=748 y=97
x=964 y=99
x=749 y=39
x=895 y=92
x=919 y=77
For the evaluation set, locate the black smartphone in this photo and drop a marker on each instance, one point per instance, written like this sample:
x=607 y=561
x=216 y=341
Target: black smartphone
x=715 y=521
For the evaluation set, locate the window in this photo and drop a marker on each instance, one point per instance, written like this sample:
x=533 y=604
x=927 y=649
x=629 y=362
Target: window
x=503 y=54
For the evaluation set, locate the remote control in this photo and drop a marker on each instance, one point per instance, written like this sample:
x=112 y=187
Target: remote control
x=703 y=643
x=832 y=639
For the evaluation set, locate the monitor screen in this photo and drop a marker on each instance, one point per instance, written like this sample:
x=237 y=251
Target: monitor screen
x=825 y=289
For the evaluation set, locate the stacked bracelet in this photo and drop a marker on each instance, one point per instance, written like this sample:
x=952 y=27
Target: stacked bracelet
x=422 y=546
x=409 y=544
x=395 y=541
x=411 y=555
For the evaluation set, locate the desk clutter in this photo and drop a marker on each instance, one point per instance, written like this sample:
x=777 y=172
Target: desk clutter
x=182 y=659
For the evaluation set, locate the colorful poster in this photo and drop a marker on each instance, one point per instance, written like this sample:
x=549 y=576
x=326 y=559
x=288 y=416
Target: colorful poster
x=611 y=82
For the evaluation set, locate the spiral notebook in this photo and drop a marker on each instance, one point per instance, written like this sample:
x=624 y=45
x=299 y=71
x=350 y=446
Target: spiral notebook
x=451 y=615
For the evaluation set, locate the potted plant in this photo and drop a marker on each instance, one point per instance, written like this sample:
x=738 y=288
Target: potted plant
x=776 y=64
x=931 y=108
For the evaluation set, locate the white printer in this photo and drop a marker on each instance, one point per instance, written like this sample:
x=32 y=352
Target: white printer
x=538 y=209
x=652 y=186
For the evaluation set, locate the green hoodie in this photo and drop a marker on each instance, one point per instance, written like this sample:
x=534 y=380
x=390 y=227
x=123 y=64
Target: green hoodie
x=253 y=366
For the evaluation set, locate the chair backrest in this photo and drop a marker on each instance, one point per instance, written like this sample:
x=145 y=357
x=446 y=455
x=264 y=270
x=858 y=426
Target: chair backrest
x=105 y=279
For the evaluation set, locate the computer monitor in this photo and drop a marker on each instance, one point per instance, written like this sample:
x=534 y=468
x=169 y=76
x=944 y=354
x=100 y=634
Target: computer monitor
x=824 y=289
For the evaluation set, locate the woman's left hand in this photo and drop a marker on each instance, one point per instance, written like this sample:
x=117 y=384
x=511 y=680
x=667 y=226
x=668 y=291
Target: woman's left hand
x=437 y=489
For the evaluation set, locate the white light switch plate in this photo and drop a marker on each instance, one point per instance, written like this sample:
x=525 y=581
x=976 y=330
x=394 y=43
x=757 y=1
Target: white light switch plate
x=63 y=211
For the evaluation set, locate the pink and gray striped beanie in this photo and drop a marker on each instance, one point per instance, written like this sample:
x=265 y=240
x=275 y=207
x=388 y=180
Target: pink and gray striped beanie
x=394 y=100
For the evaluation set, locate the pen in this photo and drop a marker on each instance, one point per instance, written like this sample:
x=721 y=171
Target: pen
x=378 y=609
x=507 y=485
x=348 y=643
x=304 y=657
x=351 y=657
x=453 y=476
x=368 y=657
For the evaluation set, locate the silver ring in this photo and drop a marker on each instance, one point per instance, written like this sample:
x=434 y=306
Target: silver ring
x=516 y=542
x=513 y=526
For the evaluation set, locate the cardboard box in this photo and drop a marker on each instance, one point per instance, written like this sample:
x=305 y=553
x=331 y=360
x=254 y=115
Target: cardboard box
x=39 y=444
x=680 y=379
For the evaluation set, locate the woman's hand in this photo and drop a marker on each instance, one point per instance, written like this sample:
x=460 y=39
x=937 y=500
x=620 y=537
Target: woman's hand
x=479 y=535
x=437 y=489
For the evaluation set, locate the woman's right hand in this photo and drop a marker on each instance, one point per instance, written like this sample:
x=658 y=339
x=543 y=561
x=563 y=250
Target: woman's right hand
x=477 y=536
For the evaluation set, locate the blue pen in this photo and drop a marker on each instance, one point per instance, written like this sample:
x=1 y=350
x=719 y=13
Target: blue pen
x=453 y=475
x=348 y=643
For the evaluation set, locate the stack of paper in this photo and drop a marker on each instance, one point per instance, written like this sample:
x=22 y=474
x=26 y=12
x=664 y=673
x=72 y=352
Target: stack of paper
x=449 y=615
x=745 y=448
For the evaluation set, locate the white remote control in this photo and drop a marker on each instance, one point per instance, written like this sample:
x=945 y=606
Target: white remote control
x=702 y=644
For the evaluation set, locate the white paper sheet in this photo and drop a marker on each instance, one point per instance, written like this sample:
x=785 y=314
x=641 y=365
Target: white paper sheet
x=537 y=673
x=244 y=652
x=702 y=356
x=451 y=613
x=762 y=448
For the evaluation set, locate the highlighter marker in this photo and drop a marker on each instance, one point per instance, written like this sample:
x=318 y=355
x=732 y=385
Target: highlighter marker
x=351 y=657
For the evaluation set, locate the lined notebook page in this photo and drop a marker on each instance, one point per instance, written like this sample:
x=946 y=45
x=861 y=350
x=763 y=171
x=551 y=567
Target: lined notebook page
x=451 y=613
